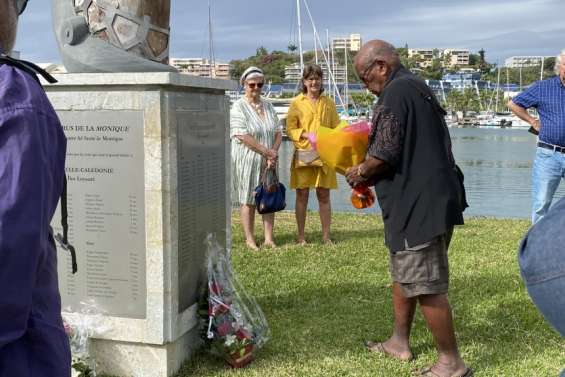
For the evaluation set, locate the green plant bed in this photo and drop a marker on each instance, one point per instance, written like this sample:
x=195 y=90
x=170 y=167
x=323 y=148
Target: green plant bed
x=322 y=302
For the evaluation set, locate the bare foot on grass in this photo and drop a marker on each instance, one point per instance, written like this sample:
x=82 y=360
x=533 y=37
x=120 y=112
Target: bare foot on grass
x=251 y=245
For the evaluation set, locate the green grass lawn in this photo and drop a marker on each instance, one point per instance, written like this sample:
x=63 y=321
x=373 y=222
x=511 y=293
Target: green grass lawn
x=322 y=302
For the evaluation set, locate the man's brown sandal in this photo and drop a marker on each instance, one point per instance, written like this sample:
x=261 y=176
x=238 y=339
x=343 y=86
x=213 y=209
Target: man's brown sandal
x=378 y=347
x=427 y=372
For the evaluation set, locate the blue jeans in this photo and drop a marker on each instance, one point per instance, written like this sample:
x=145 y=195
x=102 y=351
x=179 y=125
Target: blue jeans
x=549 y=168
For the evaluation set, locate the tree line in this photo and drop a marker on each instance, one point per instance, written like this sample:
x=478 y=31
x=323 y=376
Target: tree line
x=273 y=64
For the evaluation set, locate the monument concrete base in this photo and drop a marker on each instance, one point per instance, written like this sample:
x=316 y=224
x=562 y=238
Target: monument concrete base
x=147 y=166
x=147 y=360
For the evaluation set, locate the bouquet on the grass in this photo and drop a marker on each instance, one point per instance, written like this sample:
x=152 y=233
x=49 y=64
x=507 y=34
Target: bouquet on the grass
x=343 y=147
x=80 y=328
x=234 y=326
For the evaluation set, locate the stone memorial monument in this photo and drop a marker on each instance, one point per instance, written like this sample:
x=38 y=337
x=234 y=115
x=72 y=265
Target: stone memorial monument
x=113 y=35
x=147 y=160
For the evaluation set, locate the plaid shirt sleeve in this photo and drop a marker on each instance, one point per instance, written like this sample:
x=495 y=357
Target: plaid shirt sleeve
x=385 y=139
x=529 y=97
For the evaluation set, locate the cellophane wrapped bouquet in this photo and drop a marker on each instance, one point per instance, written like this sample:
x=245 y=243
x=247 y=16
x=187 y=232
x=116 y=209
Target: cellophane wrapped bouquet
x=343 y=147
x=234 y=326
x=80 y=327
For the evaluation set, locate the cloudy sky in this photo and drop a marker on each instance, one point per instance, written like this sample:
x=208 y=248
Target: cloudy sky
x=502 y=27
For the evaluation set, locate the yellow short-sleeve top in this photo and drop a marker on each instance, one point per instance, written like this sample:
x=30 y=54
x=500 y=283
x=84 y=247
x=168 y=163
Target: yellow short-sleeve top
x=302 y=116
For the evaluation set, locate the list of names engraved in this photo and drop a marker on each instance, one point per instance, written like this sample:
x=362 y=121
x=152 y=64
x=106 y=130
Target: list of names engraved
x=105 y=174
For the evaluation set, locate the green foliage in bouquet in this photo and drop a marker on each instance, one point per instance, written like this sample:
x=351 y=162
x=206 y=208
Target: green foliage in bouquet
x=82 y=368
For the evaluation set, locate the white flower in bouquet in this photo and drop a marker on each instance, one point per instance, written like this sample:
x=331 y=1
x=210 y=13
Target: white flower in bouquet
x=230 y=340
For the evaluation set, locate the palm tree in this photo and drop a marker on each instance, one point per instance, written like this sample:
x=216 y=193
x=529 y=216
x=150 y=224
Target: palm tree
x=292 y=48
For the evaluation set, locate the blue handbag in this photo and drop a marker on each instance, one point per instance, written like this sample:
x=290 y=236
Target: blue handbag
x=270 y=196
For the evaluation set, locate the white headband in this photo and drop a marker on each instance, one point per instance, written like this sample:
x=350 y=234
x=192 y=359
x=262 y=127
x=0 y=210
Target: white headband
x=251 y=73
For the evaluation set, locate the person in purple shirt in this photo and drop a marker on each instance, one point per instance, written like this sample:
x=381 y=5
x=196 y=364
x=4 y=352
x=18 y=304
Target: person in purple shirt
x=542 y=266
x=548 y=97
x=32 y=162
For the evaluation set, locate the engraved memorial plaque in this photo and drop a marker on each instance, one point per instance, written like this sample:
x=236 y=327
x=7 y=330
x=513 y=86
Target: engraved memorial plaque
x=105 y=173
x=202 y=192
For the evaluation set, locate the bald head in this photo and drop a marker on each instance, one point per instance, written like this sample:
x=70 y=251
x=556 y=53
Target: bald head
x=376 y=50
x=8 y=24
x=375 y=62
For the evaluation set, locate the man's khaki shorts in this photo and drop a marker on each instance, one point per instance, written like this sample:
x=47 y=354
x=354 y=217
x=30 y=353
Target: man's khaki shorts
x=422 y=269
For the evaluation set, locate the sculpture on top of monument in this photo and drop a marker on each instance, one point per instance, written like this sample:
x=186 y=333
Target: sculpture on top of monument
x=113 y=35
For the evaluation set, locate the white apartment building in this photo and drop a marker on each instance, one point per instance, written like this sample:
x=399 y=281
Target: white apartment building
x=424 y=53
x=201 y=67
x=524 y=61
x=292 y=73
x=353 y=42
x=457 y=57
x=424 y=56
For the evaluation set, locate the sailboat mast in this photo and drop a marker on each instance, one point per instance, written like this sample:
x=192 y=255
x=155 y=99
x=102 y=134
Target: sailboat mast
x=507 y=85
x=331 y=69
x=328 y=44
x=479 y=95
x=316 y=50
x=345 y=88
x=442 y=91
x=300 y=37
x=520 y=77
x=326 y=58
x=497 y=89
x=541 y=70
x=211 y=58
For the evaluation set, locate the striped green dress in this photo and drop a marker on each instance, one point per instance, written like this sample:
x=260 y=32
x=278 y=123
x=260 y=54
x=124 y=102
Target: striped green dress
x=246 y=164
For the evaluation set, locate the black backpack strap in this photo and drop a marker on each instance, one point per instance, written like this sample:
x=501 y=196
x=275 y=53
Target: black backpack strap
x=27 y=67
x=64 y=238
x=34 y=70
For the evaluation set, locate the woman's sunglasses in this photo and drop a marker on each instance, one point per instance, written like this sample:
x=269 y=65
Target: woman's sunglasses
x=20 y=6
x=252 y=85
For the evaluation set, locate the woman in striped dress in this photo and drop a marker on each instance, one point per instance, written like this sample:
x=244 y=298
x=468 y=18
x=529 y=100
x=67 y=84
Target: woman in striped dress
x=256 y=136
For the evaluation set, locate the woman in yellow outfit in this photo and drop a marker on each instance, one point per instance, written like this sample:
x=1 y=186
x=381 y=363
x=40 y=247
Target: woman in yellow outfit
x=307 y=113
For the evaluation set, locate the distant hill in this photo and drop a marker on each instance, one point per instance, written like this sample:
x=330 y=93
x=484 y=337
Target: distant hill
x=272 y=64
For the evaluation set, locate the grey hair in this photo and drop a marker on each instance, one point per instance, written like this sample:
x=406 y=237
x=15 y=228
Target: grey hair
x=558 y=60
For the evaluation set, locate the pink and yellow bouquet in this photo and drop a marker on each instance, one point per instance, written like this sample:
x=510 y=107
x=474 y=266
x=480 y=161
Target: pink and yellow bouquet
x=342 y=148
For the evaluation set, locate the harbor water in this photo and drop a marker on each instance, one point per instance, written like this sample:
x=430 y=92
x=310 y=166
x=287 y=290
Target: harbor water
x=497 y=164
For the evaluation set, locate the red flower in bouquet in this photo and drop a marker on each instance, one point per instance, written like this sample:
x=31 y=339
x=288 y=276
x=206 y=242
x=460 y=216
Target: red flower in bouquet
x=215 y=287
x=224 y=329
x=243 y=334
x=68 y=329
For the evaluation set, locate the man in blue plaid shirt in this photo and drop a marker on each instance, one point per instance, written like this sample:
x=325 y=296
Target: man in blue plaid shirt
x=548 y=97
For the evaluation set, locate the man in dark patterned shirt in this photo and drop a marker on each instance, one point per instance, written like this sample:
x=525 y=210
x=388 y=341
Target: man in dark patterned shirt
x=409 y=161
x=548 y=97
